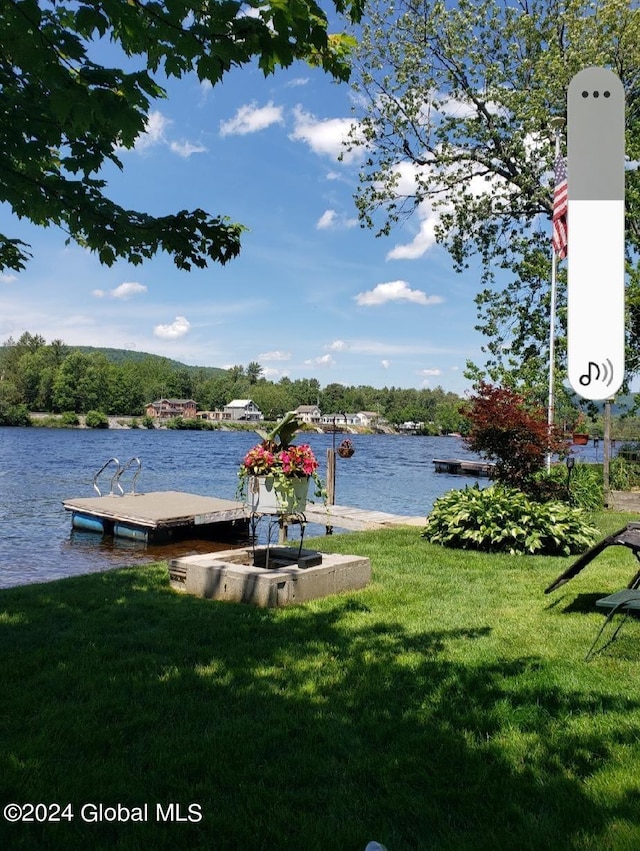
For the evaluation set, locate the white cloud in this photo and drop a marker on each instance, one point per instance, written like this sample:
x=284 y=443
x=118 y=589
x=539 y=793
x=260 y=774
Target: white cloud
x=408 y=175
x=155 y=134
x=126 y=290
x=298 y=81
x=429 y=372
x=154 y=131
x=272 y=373
x=178 y=328
x=324 y=137
x=458 y=108
x=386 y=363
x=422 y=241
x=7 y=279
x=394 y=291
x=322 y=360
x=331 y=220
x=276 y=355
x=251 y=119
x=326 y=220
x=383 y=349
x=185 y=149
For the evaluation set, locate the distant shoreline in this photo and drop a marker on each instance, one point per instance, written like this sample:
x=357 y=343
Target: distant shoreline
x=41 y=419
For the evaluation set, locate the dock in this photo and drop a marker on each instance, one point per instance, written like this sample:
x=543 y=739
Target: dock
x=463 y=467
x=159 y=516
x=164 y=516
x=358 y=519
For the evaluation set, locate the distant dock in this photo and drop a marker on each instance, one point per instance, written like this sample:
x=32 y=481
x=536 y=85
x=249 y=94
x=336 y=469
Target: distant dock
x=461 y=467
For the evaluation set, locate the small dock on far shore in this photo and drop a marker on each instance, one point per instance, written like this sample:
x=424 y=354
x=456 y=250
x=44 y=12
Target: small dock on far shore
x=463 y=467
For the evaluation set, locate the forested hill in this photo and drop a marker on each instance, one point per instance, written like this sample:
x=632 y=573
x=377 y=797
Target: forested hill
x=119 y=356
x=55 y=377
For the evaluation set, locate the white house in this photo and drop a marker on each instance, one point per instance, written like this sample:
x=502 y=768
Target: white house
x=242 y=410
x=340 y=419
x=368 y=418
x=308 y=414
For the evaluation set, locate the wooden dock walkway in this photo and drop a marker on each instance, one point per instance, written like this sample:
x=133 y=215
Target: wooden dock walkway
x=358 y=519
x=165 y=515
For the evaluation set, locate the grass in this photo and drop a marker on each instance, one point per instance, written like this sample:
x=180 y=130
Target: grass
x=447 y=706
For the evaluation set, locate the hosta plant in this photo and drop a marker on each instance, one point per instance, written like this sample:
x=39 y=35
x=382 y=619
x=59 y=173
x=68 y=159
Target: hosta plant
x=503 y=519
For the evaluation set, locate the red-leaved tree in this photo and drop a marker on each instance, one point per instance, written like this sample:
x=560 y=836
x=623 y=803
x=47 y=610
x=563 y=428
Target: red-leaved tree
x=512 y=431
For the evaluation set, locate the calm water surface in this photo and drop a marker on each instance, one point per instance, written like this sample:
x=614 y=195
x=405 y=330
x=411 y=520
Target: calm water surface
x=39 y=468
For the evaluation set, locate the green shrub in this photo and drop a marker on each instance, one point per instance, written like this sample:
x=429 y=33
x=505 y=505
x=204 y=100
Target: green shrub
x=14 y=415
x=585 y=485
x=69 y=418
x=96 y=419
x=503 y=519
x=148 y=422
x=623 y=474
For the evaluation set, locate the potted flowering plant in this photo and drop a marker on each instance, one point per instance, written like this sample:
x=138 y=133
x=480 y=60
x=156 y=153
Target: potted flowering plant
x=274 y=475
x=580 y=436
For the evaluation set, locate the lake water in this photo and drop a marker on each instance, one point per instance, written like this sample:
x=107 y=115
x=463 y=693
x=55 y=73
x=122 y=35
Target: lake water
x=40 y=467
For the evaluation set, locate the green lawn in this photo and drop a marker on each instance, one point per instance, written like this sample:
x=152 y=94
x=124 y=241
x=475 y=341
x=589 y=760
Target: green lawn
x=447 y=706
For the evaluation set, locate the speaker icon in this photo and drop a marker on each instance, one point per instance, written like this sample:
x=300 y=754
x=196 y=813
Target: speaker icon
x=597 y=372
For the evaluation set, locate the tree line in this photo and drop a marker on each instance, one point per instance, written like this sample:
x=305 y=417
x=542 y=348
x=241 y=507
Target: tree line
x=56 y=378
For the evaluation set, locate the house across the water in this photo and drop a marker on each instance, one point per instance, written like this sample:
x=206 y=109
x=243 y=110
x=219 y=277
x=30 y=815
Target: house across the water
x=165 y=409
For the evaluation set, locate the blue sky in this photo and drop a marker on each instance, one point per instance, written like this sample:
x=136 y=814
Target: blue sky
x=312 y=293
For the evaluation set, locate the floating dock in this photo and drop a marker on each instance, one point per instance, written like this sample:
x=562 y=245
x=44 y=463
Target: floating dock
x=462 y=467
x=159 y=516
x=164 y=516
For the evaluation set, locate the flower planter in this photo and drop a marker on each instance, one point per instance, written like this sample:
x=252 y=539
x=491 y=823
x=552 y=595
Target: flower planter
x=580 y=439
x=346 y=450
x=270 y=496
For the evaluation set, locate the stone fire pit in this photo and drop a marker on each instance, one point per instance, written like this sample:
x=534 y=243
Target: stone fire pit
x=233 y=575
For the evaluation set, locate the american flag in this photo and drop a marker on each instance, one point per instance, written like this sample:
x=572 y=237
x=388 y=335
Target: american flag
x=560 y=206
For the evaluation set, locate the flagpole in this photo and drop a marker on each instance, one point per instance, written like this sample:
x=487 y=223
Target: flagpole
x=556 y=123
x=552 y=349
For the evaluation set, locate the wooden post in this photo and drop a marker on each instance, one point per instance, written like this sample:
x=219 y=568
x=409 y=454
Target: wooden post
x=606 y=452
x=331 y=482
x=283 y=531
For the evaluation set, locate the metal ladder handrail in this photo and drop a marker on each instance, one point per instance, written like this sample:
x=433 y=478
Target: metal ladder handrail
x=114 y=478
x=124 y=468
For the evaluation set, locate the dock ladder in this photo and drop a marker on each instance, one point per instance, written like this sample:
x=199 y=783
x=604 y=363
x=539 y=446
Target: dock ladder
x=115 y=478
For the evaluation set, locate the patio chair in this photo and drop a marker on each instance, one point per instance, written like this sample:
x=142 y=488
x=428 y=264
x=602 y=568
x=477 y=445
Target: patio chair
x=624 y=602
x=629 y=536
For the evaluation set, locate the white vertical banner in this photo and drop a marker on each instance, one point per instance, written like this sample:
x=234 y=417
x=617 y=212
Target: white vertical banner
x=595 y=256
